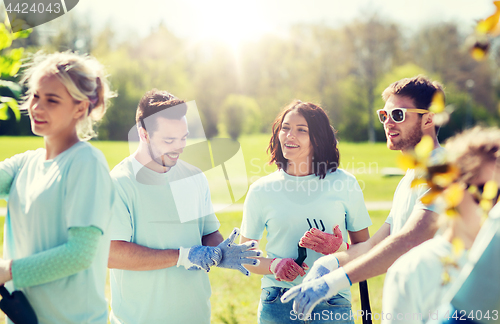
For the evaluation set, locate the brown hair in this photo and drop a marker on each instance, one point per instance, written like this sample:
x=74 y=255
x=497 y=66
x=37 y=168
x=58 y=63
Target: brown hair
x=470 y=149
x=155 y=101
x=420 y=89
x=322 y=136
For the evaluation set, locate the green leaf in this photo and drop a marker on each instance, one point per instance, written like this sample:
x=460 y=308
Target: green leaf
x=4 y=111
x=5 y=38
x=22 y=34
x=14 y=87
x=12 y=104
x=15 y=68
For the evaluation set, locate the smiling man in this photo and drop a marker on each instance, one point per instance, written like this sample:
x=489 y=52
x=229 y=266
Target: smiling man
x=406 y=120
x=159 y=263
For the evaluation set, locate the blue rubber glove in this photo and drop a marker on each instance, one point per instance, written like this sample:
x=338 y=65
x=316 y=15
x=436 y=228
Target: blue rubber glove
x=308 y=295
x=235 y=255
x=321 y=267
x=199 y=257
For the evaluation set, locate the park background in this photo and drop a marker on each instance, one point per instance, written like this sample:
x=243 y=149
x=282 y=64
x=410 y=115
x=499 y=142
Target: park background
x=243 y=62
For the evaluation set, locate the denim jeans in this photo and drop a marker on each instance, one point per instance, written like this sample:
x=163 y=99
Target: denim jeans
x=273 y=311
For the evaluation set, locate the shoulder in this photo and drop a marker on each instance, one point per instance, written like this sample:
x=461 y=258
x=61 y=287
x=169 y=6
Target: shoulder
x=85 y=152
x=122 y=170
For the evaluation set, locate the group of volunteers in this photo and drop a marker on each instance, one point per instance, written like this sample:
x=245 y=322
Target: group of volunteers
x=69 y=219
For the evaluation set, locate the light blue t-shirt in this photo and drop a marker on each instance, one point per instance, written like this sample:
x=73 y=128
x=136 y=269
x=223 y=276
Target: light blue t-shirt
x=407 y=199
x=46 y=198
x=146 y=214
x=285 y=205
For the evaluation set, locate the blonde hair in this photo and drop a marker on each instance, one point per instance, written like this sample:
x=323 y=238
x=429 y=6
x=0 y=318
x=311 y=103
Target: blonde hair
x=84 y=78
x=470 y=149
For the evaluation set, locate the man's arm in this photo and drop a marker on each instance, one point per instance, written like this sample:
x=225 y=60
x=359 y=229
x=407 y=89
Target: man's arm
x=358 y=249
x=420 y=227
x=212 y=239
x=130 y=256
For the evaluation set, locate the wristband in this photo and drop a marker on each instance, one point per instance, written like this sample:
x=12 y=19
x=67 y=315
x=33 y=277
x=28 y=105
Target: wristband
x=274 y=264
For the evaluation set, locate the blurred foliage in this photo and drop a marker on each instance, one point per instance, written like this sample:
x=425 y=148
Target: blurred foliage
x=240 y=115
x=10 y=63
x=344 y=69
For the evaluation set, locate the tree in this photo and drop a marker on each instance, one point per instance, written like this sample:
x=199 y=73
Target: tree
x=10 y=63
x=374 y=46
x=240 y=115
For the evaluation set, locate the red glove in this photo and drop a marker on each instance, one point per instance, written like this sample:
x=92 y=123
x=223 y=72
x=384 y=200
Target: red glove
x=287 y=269
x=322 y=242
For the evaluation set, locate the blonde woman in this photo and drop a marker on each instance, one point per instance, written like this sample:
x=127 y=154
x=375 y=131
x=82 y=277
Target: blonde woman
x=59 y=197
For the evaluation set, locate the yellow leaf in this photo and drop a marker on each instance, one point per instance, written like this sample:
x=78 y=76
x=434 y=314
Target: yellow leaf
x=446 y=278
x=473 y=190
x=451 y=213
x=429 y=197
x=406 y=161
x=486 y=204
x=417 y=182
x=437 y=104
x=490 y=190
x=488 y=25
x=457 y=246
x=424 y=148
x=444 y=179
x=478 y=54
x=453 y=195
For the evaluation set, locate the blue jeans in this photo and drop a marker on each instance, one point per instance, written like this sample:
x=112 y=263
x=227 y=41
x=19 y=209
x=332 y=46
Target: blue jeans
x=273 y=311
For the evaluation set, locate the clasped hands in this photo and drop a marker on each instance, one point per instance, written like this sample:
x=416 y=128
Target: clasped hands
x=225 y=255
x=325 y=279
x=314 y=239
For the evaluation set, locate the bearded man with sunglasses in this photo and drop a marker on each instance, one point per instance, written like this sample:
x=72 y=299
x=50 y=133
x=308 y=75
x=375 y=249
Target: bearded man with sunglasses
x=406 y=118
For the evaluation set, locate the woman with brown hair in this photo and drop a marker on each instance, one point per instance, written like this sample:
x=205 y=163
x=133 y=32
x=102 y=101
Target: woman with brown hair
x=308 y=201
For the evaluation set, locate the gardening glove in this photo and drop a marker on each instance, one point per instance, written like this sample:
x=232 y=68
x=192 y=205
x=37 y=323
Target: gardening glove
x=309 y=294
x=322 y=242
x=199 y=257
x=235 y=255
x=286 y=269
x=321 y=267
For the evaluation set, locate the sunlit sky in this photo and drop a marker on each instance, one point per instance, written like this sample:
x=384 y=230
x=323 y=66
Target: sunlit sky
x=229 y=19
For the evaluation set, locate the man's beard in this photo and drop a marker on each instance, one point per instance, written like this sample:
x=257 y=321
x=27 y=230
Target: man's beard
x=411 y=140
x=158 y=158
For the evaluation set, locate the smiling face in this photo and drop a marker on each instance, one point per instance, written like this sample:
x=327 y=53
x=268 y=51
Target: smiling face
x=52 y=110
x=402 y=136
x=167 y=142
x=295 y=141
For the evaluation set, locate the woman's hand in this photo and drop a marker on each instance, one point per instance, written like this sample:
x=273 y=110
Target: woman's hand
x=322 y=242
x=287 y=269
x=5 y=273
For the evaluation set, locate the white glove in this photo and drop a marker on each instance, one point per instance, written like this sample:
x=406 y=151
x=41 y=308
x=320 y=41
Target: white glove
x=309 y=294
x=321 y=267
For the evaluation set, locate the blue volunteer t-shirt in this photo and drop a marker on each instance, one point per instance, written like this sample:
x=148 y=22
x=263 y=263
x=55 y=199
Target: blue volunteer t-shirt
x=45 y=199
x=286 y=206
x=148 y=212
